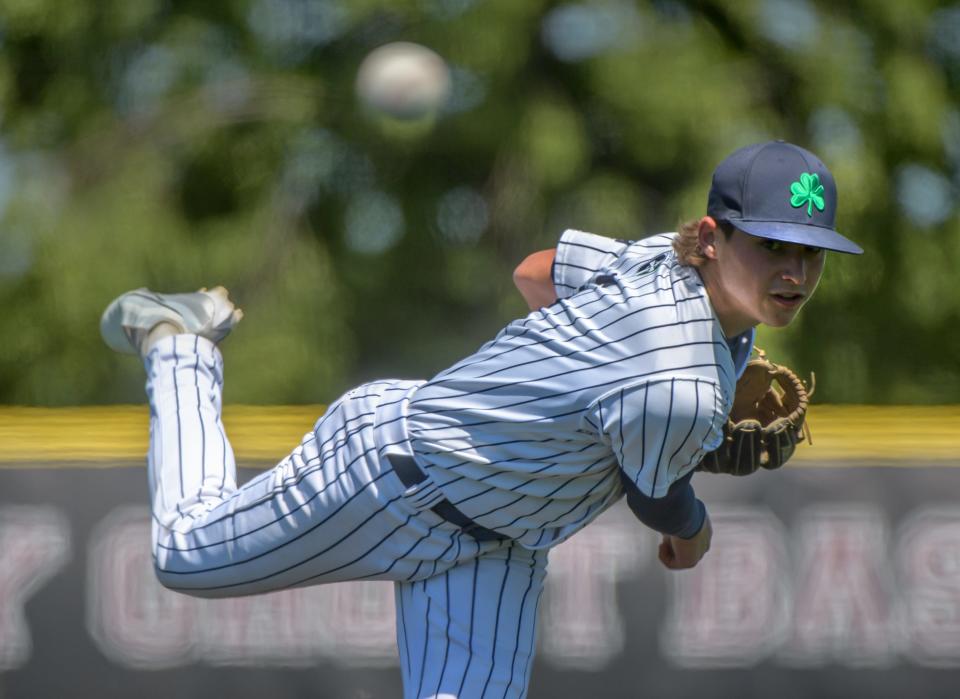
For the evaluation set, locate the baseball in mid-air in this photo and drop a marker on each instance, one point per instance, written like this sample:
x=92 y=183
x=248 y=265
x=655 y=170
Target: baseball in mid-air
x=403 y=80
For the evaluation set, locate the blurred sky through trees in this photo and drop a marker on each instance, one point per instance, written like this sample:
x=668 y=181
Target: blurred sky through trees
x=175 y=144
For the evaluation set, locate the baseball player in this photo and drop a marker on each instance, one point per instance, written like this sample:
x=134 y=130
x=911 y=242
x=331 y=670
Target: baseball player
x=617 y=383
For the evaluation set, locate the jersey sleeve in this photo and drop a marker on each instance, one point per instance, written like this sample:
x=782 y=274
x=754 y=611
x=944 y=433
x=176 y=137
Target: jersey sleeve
x=659 y=430
x=579 y=256
x=679 y=512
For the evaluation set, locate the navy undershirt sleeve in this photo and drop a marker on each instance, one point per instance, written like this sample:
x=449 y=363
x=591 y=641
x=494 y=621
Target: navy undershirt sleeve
x=678 y=513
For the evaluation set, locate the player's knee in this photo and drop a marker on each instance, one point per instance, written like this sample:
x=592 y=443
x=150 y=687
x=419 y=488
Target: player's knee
x=164 y=578
x=176 y=582
x=169 y=580
x=189 y=575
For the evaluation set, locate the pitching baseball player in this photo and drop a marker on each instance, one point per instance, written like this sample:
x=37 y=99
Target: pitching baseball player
x=618 y=382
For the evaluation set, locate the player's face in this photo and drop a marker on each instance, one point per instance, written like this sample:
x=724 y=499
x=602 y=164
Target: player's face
x=759 y=280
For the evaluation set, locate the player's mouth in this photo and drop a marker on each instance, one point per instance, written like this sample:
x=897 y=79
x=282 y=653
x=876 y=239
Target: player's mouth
x=788 y=299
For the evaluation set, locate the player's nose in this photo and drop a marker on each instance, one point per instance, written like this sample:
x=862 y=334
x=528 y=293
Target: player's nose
x=795 y=266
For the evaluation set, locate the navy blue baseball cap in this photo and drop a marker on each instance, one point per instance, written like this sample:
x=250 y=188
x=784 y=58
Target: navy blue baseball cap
x=779 y=191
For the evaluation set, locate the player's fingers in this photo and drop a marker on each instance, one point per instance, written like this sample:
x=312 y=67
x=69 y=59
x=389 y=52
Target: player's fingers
x=681 y=563
x=677 y=559
x=673 y=564
x=665 y=553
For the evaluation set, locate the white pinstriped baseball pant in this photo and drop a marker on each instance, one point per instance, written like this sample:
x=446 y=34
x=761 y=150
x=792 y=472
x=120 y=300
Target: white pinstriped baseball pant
x=333 y=510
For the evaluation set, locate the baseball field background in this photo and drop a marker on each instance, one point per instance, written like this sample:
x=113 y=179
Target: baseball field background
x=176 y=144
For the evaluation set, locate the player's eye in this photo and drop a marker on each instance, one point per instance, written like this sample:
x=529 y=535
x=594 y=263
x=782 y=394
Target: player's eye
x=810 y=250
x=773 y=245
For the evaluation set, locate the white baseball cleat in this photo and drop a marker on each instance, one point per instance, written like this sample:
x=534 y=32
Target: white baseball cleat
x=130 y=317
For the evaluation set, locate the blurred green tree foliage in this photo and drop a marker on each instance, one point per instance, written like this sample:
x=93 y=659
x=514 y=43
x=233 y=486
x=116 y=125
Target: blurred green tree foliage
x=178 y=144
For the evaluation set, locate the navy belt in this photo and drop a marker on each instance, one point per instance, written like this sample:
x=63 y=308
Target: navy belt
x=411 y=474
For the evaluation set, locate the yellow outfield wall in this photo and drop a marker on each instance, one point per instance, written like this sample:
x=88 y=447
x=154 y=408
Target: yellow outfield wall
x=107 y=435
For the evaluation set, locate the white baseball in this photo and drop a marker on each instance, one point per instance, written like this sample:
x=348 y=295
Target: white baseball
x=403 y=80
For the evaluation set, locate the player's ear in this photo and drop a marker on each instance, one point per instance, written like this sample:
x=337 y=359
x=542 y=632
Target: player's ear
x=707 y=237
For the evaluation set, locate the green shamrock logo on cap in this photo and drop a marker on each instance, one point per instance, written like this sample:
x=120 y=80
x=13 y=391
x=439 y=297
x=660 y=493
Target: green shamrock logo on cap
x=809 y=191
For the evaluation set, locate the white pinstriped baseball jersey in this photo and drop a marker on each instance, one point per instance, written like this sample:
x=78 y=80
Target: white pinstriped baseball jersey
x=627 y=373
x=628 y=368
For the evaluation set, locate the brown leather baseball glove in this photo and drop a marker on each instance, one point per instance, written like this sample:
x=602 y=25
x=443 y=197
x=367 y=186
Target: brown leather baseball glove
x=766 y=421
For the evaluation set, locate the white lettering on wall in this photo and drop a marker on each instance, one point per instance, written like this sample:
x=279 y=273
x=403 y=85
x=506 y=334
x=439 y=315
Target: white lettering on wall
x=731 y=610
x=928 y=558
x=844 y=607
x=132 y=618
x=34 y=544
x=582 y=626
x=818 y=595
x=138 y=623
x=359 y=623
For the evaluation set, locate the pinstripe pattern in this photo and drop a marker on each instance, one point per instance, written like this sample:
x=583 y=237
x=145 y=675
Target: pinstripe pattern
x=181 y=417
x=470 y=631
x=628 y=369
x=329 y=511
x=627 y=372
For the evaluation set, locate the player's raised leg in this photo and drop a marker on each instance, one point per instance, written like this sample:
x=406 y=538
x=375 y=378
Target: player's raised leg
x=470 y=631
x=175 y=334
x=330 y=510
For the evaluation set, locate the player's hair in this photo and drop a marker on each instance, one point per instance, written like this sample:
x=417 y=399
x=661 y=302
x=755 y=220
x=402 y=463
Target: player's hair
x=687 y=242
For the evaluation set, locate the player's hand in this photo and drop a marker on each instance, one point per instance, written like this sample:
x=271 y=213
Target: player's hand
x=677 y=554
